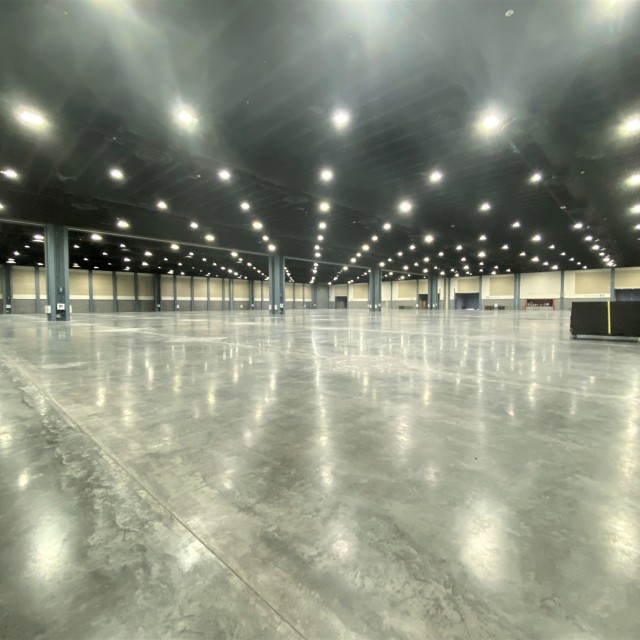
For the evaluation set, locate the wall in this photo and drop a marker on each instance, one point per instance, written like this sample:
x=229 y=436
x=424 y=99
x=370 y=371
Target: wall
x=498 y=290
x=588 y=284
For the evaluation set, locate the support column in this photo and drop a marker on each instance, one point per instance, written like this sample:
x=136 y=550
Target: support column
x=417 y=293
x=562 y=291
x=433 y=292
x=222 y=305
x=56 y=260
x=157 y=292
x=480 y=305
x=612 y=295
x=251 y=295
x=7 y=291
x=314 y=295
x=135 y=292
x=208 y=291
x=192 y=294
x=516 y=292
x=114 y=280
x=92 y=304
x=231 y=301
x=37 y=289
x=276 y=284
x=175 y=292
x=375 y=289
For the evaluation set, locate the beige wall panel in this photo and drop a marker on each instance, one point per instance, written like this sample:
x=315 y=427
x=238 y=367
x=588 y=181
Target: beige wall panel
x=407 y=290
x=593 y=282
x=468 y=285
x=288 y=291
x=126 y=286
x=540 y=285
x=628 y=278
x=341 y=290
x=24 y=281
x=200 y=288
x=166 y=287
x=79 y=283
x=183 y=287
x=215 y=289
x=145 y=285
x=501 y=286
x=386 y=291
x=359 y=291
x=102 y=285
x=240 y=289
x=423 y=286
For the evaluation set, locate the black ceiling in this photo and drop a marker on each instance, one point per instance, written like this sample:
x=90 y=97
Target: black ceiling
x=264 y=78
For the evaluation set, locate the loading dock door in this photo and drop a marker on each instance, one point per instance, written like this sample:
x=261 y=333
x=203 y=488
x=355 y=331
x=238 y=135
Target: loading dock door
x=341 y=302
x=468 y=301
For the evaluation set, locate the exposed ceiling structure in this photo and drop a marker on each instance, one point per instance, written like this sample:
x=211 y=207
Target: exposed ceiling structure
x=428 y=137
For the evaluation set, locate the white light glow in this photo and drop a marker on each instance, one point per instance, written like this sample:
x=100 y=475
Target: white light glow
x=10 y=173
x=175 y=247
x=162 y=205
x=635 y=208
x=490 y=121
x=194 y=225
x=631 y=126
x=536 y=177
x=324 y=206
x=123 y=224
x=31 y=118
x=326 y=175
x=515 y=225
x=428 y=238
x=386 y=226
x=633 y=180
x=536 y=238
x=405 y=206
x=116 y=174
x=435 y=176
x=485 y=206
x=322 y=225
x=340 y=118
x=224 y=175
x=272 y=247
x=257 y=225
x=209 y=237
x=185 y=117
x=96 y=236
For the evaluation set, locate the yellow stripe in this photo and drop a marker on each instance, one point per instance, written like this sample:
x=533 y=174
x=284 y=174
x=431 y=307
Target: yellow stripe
x=609 y=316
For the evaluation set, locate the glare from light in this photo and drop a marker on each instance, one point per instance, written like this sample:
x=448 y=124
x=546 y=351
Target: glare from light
x=365 y=247
x=265 y=238
x=38 y=237
x=194 y=225
x=386 y=226
x=482 y=238
x=490 y=122
x=185 y=117
x=116 y=174
x=631 y=126
x=31 y=119
x=272 y=247
x=485 y=206
x=536 y=177
x=162 y=205
x=1 y=206
x=326 y=175
x=322 y=225
x=405 y=206
x=175 y=247
x=96 y=236
x=324 y=206
x=340 y=118
x=536 y=238
x=459 y=247
x=209 y=237
x=505 y=247
x=633 y=180
x=374 y=238
x=148 y=254
x=578 y=225
x=224 y=175
x=515 y=225
x=10 y=173
x=428 y=238
x=635 y=208
x=123 y=224
x=435 y=176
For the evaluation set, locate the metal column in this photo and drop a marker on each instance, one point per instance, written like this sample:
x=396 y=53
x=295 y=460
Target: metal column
x=276 y=284
x=56 y=259
x=314 y=295
x=231 y=301
x=114 y=281
x=37 y=286
x=157 y=292
x=136 y=296
x=480 y=305
x=92 y=304
x=612 y=294
x=562 y=291
x=375 y=289
x=516 y=292
x=251 y=294
x=433 y=292
x=7 y=294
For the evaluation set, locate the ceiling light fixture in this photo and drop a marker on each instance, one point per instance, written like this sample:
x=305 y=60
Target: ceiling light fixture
x=536 y=177
x=386 y=226
x=272 y=247
x=485 y=206
x=515 y=225
x=490 y=121
x=340 y=118
x=633 y=180
x=96 y=236
x=635 y=208
x=31 y=118
x=123 y=224
x=175 y=247
x=10 y=173
x=185 y=117
x=116 y=174
x=435 y=176
x=257 y=225
x=162 y=205
x=194 y=225
x=405 y=206
x=324 y=206
x=326 y=175
x=209 y=237
x=245 y=206
x=631 y=125
x=224 y=175
x=536 y=238
x=322 y=225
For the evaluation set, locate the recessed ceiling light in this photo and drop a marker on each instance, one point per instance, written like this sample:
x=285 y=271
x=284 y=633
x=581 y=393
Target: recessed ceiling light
x=482 y=254
x=148 y=254
x=365 y=247
x=116 y=174
x=320 y=238
x=245 y=206
x=505 y=247
x=578 y=225
x=38 y=237
x=515 y=225
x=459 y=247
x=535 y=259
x=482 y=238
x=536 y=177
x=324 y=206
x=175 y=247
x=405 y=206
x=633 y=180
x=340 y=118
x=485 y=206
x=272 y=247
x=145 y=264
x=123 y=246
x=193 y=225
x=31 y=118
x=162 y=205
x=635 y=208
x=185 y=117
x=386 y=226
x=435 y=176
x=536 y=238
x=374 y=238
x=224 y=175
x=322 y=225
x=490 y=121
x=127 y=259
x=10 y=173
x=96 y=236
x=326 y=175
x=209 y=237
x=631 y=125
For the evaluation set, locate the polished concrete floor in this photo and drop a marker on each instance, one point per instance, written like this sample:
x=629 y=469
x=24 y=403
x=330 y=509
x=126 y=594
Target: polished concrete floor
x=319 y=475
